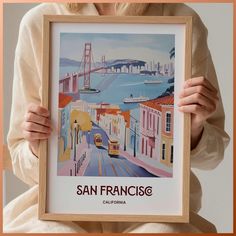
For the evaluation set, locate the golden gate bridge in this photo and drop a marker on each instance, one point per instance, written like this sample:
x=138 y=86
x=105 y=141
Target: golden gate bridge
x=70 y=83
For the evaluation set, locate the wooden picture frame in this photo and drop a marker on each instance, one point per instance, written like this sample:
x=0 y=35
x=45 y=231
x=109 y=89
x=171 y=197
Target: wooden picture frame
x=53 y=185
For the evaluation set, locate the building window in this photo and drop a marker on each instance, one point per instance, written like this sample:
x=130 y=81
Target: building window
x=144 y=119
x=154 y=122
x=168 y=122
x=146 y=151
x=158 y=125
x=150 y=119
x=171 y=154
x=142 y=145
x=68 y=114
x=63 y=120
x=163 y=151
x=151 y=151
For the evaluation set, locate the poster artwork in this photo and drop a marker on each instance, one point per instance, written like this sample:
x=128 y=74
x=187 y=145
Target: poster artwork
x=116 y=105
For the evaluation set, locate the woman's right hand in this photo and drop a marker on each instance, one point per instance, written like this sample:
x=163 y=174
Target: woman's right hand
x=36 y=126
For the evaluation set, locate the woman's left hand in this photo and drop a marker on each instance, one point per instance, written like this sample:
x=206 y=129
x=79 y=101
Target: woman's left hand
x=198 y=97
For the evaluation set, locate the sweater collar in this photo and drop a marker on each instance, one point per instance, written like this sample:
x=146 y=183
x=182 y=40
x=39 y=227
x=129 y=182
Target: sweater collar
x=89 y=9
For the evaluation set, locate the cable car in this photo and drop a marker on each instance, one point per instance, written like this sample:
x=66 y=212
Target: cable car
x=97 y=140
x=113 y=147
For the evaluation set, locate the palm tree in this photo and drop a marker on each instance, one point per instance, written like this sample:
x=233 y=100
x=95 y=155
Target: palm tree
x=172 y=53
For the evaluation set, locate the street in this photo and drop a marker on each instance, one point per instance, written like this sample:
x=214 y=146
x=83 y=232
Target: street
x=101 y=164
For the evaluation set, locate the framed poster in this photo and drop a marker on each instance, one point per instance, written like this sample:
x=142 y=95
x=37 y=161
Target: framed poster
x=120 y=148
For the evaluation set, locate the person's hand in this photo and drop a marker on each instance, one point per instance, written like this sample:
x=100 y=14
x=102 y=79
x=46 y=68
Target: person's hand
x=36 y=126
x=198 y=97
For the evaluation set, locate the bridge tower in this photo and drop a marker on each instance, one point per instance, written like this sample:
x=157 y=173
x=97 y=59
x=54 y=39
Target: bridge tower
x=87 y=64
x=104 y=64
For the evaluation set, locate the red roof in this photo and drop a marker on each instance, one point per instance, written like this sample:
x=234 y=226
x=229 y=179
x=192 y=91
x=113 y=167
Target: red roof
x=158 y=102
x=64 y=100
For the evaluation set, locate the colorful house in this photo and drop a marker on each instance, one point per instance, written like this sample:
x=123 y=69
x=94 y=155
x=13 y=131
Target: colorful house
x=116 y=124
x=64 y=123
x=95 y=110
x=156 y=129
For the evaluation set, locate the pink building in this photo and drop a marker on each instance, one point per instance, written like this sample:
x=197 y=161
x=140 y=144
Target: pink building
x=156 y=129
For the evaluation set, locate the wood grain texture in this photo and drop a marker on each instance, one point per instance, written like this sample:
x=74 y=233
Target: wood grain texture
x=44 y=103
x=114 y=218
x=118 y=19
x=187 y=122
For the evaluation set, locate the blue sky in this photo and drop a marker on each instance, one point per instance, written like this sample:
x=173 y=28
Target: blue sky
x=147 y=47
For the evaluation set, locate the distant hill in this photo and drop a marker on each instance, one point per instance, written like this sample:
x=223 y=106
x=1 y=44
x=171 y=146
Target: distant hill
x=111 y=63
x=69 y=62
x=168 y=91
x=122 y=62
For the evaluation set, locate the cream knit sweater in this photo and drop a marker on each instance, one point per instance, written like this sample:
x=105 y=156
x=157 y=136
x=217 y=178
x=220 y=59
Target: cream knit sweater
x=21 y=214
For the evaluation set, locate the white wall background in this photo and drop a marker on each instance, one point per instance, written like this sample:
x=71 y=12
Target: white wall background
x=217 y=184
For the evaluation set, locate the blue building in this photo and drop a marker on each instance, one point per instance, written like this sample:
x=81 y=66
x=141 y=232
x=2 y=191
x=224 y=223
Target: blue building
x=64 y=122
